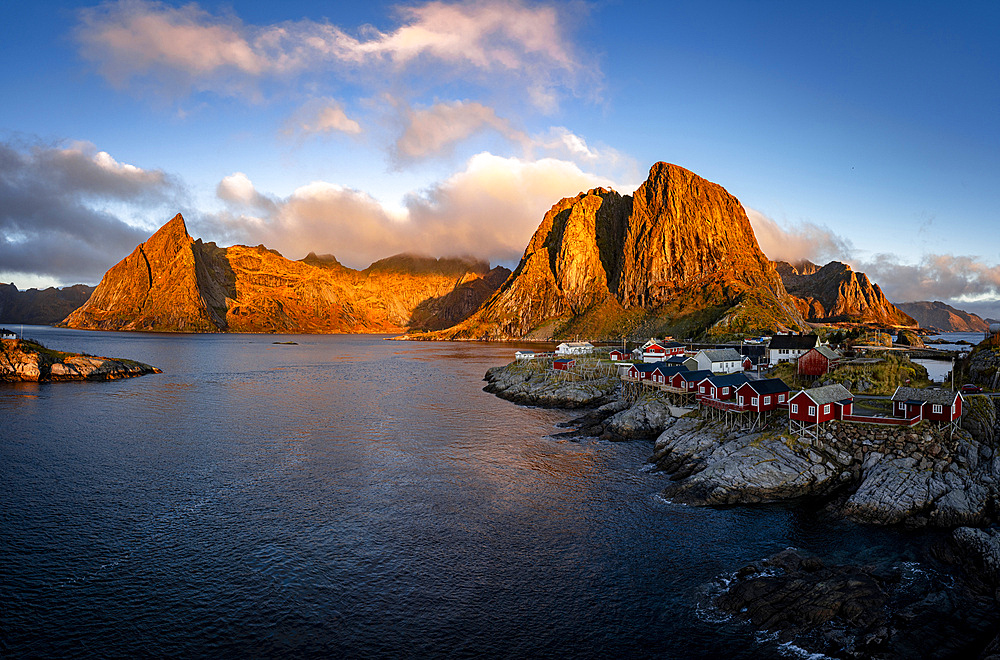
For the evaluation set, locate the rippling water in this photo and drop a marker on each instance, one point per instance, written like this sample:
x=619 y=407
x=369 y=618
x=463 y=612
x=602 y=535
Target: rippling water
x=352 y=497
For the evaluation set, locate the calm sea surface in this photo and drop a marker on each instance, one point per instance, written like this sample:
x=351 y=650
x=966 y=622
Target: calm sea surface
x=353 y=497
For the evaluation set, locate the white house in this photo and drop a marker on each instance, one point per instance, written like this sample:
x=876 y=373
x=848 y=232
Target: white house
x=7 y=334
x=716 y=360
x=788 y=348
x=574 y=348
x=524 y=355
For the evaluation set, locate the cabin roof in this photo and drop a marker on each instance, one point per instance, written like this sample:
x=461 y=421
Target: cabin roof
x=722 y=354
x=769 y=386
x=828 y=352
x=919 y=395
x=729 y=380
x=794 y=341
x=694 y=376
x=828 y=394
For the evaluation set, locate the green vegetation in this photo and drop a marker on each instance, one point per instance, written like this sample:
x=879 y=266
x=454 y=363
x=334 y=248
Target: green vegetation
x=883 y=377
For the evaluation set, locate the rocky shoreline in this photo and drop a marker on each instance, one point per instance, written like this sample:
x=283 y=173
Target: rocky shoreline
x=921 y=477
x=27 y=361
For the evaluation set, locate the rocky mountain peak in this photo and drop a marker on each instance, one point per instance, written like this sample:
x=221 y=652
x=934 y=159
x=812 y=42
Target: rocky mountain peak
x=837 y=293
x=601 y=264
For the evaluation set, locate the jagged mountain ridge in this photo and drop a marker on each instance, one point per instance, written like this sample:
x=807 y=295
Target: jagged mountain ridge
x=943 y=317
x=835 y=293
x=678 y=256
x=40 y=306
x=174 y=283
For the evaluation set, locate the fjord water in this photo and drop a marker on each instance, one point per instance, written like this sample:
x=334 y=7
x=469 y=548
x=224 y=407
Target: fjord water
x=353 y=497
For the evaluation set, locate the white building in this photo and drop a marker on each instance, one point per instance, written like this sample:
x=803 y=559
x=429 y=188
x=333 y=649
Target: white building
x=574 y=348
x=524 y=355
x=716 y=360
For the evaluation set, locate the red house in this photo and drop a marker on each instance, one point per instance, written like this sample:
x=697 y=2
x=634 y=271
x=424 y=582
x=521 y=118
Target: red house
x=688 y=380
x=941 y=406
x=654 y=351
x=563 y=365
x=818 y=361
x=617 y=355
x=763 y=395
x=720 y=388
x=656 y=372
x=808 y=409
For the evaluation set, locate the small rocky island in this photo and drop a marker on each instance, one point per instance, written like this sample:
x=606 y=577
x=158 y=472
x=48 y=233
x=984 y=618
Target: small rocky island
x=26 y=360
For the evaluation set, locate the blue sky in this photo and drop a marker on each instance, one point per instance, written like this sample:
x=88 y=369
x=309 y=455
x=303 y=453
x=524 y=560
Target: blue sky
x=864 y=132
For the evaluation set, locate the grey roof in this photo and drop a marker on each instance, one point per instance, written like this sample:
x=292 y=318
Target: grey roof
x=943 y=397
x=828 y=352
x=803 y=342
x=722 y=354
x=829 y=393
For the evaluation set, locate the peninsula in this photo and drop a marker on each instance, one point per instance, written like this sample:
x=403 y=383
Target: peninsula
x=26 y=360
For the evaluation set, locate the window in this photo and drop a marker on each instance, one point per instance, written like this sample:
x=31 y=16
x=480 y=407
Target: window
x=795 y=408
x=702 y=389
x=812 y=411
x=937 y=408
x=767 y=401
x=740 y=399
x=725 y=391
x=826 y=409
x=753 y=401
x=781 y=398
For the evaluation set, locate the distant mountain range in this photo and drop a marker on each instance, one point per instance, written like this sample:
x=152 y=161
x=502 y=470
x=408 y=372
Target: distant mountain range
x=677 y=257
x=40 y=306
x=174 y=283
x=939 y=316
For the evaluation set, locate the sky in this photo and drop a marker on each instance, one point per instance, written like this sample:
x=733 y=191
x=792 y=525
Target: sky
x=861 y=132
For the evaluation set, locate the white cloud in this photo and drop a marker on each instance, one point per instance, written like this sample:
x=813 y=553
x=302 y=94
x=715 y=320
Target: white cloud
x=489 y=210
x=804 y=241
x=320 y=117
x=434 y=131
x=190 y=48
x=58 y=206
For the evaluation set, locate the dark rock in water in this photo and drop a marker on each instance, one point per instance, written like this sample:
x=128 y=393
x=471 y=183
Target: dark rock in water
x=844 y=611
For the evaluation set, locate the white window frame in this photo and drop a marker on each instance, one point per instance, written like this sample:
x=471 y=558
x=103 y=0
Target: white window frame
x=812 y=411
x=725 y=391
x=767 y=400
x=826 y=409
x=753 y=401
x=781 y=398
x=795 y=408
x=937 y=409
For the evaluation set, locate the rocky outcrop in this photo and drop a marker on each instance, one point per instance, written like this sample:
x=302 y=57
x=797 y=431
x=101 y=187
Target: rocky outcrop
x=40 y=307
x=174 y=283
x=984 y=366
x=546 y=388
x=678 y=256
x=909 y=338
x=30 y=361
x=836 y=293
x=826 y=609
x=877 y=475
x=945 y=318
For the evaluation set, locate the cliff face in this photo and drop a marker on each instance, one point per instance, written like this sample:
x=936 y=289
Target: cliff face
x=40 y=306
x=943 y=317
x=174 y=283
x=679 y=256
x=835 y=293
